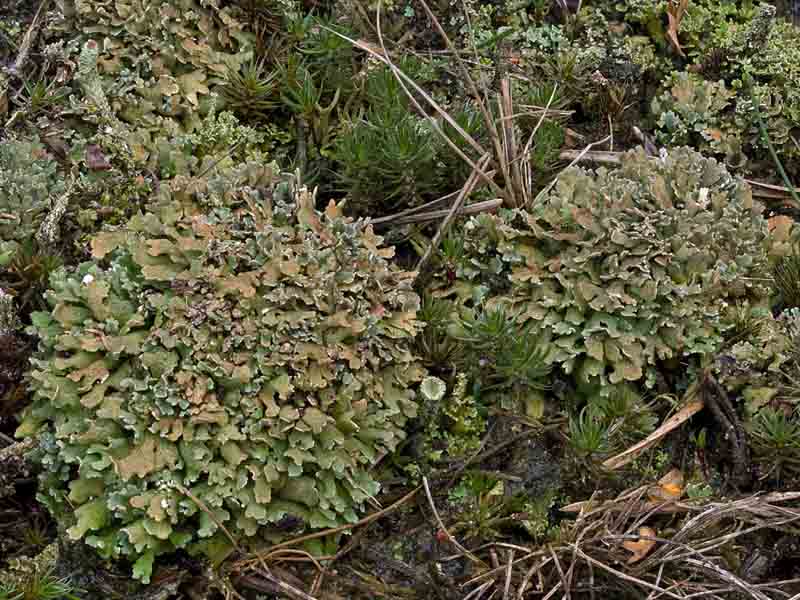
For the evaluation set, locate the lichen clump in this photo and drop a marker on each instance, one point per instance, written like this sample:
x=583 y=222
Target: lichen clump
x=165 y=58
x=620 y=269
x=232 y=356
x=29 y=185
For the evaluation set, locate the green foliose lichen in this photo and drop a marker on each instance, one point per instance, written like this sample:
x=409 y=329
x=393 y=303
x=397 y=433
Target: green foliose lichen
x=620 y=269
x=746 y=65
x=231 y=357
x=164 y=57
x=29 y=186
x=694 y=111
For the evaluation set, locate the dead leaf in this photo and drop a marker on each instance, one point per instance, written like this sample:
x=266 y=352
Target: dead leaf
x=670 y=487
x=640 y=547
x=675 y=11
x=780 y=227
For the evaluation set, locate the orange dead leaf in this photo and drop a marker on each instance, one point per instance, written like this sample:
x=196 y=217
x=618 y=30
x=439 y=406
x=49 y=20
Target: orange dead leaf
x=640 y=547
x=780 y=226
x=670 y=487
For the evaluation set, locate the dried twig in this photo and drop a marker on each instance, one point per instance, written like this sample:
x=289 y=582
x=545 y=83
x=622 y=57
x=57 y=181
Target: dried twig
x=30 y=37
x=478 y=591
x=499 y=569
x=334 y=530
x=535 y=568
x=509 y=568
x=625 y=576
x=444 y=530
x=445 y=225
x=272 y=586
x=561 y=575
x=577 y=159
x=728 y=577
x=428 y=206
x=434 y=215
x=691 y=407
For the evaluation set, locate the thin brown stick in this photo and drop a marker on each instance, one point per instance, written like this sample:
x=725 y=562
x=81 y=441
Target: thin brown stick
x=444 y=530
x=692 y=406
x=527 y=150
x=30 y=37
x=334 y=530
x=598 y=156
x=496 y=571
x=584 y=531
x=445 y=225
x=210 y=513
x=758 y=586
x=553 y=591
x=507 y=588
x=292 y=551
x=434 y=215
x=625 y=576
x=729 y=577
x=561 y=575
x=508 y=143
x=478 y=591
x=588 y=148
x=272 y=586
x=535 y=568
x=317 y=584
x=446 y=199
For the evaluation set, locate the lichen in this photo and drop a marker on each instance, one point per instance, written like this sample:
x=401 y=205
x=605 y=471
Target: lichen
x=172 y=53
x=29 y=184
x=621 y=269
x=9 y=319
x=240 y=358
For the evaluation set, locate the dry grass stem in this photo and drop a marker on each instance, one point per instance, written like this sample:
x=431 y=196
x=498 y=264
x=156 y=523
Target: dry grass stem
x=690 y=408
x=509 y=567
x=451 y=214
x=250 y=562
x=444 y=530
x=30 y=37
